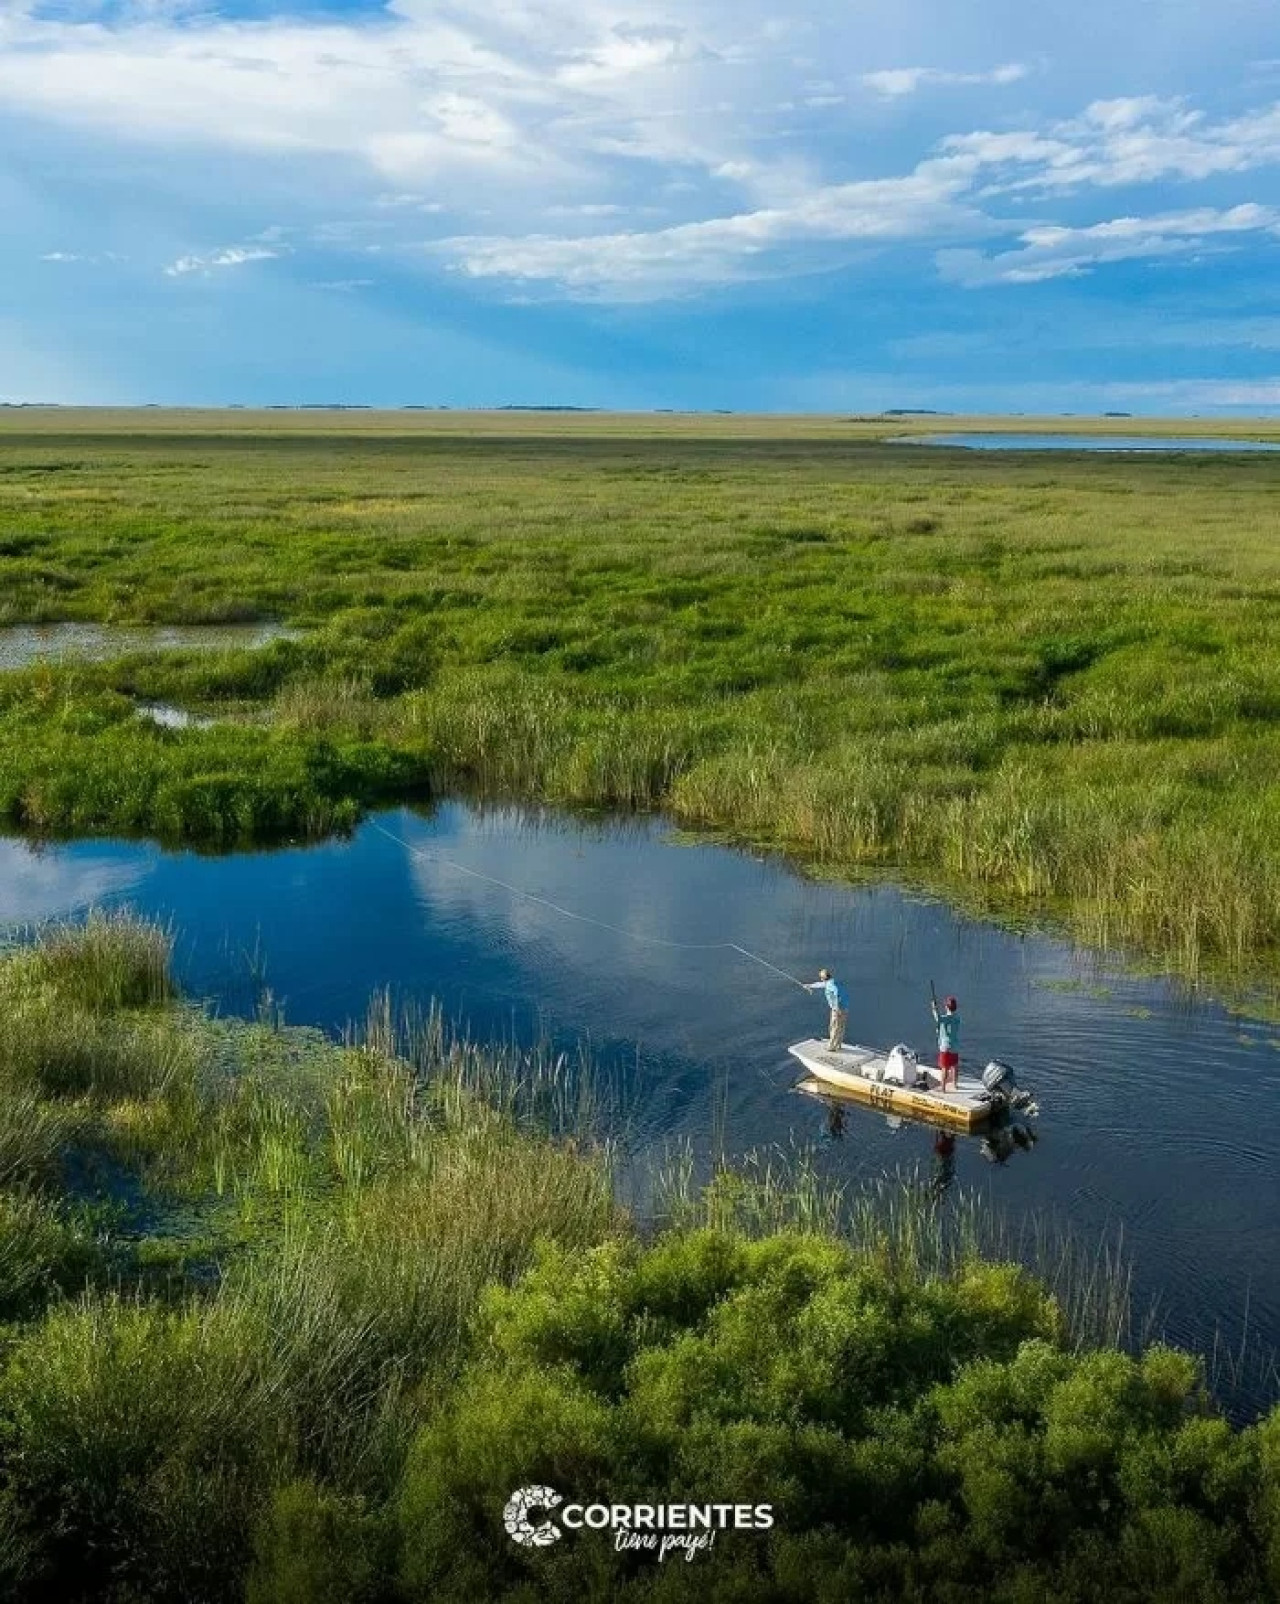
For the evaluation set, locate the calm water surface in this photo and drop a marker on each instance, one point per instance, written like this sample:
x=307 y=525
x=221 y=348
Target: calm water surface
x=24 y=644
x=1084 y=442
x=1158 y=1115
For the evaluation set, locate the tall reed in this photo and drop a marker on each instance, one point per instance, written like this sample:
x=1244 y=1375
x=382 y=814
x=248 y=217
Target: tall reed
x=901 y=1220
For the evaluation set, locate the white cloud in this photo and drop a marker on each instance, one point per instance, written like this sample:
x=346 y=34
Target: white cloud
x=643 y=265
x=938 y=199
x=535 y=88
x=620 y=55
x=543 y=115
x=897 y=82
x=67 y=257
x=1190 y=394
x=588 y=209
x=1049 y=251
x=230 y=256
x=1138 y=140
x=401 y=203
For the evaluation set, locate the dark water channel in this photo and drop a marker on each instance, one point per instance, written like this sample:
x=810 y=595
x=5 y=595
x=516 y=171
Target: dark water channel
x=1158 y=1113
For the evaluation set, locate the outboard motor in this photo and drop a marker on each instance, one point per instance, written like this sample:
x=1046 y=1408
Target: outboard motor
x=999 y=1077
x=1002 y=1088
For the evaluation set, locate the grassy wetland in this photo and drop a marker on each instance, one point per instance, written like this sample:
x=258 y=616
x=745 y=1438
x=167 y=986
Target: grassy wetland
x=288 y=1319
x=1046 y=684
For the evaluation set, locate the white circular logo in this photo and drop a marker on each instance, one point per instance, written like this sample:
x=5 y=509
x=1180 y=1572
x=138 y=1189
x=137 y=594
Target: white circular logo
x=532 y=1533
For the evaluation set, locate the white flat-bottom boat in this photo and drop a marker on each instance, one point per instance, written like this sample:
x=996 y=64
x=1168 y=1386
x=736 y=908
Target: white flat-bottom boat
x=859 y=1073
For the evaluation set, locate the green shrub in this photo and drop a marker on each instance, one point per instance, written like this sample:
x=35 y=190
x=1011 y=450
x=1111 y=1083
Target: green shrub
x=316 y=1547
x=138 y=1445
x=918 y=1438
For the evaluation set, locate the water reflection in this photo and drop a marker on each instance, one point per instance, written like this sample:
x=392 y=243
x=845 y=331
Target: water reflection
x=943 y=1172
x=39 y=883
x=1086 y=442
x=167 y=717
x=24 y=644
x=997 y=1142
x=1002 y=1140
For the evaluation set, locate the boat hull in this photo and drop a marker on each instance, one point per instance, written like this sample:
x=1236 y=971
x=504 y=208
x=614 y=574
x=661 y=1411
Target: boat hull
x=853 y=1072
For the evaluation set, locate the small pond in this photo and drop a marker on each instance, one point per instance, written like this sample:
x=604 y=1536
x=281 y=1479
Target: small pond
x=1085 y=442
x=1155 y=1110
x=24 y=644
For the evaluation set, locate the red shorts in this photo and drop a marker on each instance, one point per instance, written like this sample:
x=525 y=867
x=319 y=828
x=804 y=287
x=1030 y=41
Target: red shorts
x=948 y=1060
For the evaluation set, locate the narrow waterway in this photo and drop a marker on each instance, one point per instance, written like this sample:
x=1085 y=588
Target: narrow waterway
x=1157 y=1114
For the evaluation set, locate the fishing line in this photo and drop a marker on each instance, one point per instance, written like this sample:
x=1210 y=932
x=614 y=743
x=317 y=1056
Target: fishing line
x=12 y=929
x=505 y=885
x=583 y=918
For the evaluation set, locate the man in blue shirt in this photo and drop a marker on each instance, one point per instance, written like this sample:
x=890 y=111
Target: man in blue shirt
x=837 y=1002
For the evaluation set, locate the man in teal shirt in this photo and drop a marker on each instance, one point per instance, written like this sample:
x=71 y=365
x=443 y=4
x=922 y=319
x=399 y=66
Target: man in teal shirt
x=837 y=1002
x=947 y=1020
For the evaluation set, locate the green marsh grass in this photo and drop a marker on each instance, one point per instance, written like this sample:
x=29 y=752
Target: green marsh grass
x=110 y=961
x=1046 y=685
x=352 y=1207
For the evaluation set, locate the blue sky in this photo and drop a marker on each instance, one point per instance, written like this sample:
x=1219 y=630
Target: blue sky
x=680 y=203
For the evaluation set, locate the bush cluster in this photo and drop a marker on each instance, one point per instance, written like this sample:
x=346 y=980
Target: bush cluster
x=916 y=1441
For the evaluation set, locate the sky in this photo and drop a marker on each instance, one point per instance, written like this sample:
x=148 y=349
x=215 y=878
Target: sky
x=832 y=206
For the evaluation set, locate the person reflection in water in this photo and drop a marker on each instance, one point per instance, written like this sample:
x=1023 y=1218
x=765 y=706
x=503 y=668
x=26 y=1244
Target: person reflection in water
x=944 y=1164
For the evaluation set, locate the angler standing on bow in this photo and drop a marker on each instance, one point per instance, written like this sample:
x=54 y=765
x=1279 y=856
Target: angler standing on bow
x=837 y=1002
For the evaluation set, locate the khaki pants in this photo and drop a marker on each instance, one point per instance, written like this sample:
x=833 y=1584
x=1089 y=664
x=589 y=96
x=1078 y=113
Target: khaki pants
x=835 y=1035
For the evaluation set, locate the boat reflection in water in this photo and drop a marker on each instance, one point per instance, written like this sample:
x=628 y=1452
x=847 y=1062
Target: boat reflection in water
x=1005 y=1138
x=1005 y=1133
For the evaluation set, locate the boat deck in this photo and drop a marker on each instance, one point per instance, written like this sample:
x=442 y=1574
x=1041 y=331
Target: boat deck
x=854 y=1073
